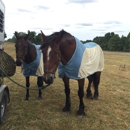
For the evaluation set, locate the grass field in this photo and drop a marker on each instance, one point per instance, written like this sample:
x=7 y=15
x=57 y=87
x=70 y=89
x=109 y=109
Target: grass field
x=110 y=112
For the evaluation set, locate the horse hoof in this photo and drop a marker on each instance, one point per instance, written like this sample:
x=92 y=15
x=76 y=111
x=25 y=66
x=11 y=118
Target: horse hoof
x=65 y=113
x=95 y=98
x=89 y=97
x=66 y=110
x=81 y=113
x=26 y=99
x=80 y=116
x=39 y=98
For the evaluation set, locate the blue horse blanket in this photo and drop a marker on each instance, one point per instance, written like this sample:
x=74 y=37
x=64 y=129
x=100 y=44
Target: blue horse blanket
x=35 y=68
x=87 y=59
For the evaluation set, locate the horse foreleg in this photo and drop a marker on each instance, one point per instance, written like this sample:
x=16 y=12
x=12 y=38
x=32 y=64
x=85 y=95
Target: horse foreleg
x=67 y=92
x=96 y=82
x=81 y=112
x=40 y=84
x=89 y=93
x=27 y=90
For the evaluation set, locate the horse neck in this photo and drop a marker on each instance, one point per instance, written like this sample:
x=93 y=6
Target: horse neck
x=67 y=48
x=31 y=53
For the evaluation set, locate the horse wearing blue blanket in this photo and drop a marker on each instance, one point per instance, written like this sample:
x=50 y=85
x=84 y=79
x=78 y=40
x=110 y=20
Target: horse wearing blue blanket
x=74 y=60
x=30 y=57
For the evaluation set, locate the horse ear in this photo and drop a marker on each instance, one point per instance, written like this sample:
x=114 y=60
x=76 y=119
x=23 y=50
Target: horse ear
x=16 y=34
x=42 y=35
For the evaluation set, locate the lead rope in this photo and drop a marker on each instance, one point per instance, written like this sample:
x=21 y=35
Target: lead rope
x=40 y=88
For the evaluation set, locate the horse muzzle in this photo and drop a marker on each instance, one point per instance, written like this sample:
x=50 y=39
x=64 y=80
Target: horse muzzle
x=19 y=60
x=18 y=63
x=48 y=79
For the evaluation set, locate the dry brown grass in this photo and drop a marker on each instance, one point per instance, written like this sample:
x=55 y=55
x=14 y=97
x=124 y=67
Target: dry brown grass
x=110 y=112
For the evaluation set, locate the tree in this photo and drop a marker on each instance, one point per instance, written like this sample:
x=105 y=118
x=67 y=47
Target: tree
x=32 y=36
x=127 y=44
x=122 y=45
x=114 y=43
x=107 y=37
x=38 y=39
x=86 y=41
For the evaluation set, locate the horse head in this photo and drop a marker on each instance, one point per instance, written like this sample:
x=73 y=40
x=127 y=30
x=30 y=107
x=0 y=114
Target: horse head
x=51 y=55
x=21 y=47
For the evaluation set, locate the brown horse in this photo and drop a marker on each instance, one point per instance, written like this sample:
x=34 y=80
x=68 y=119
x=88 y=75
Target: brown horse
x=74 y=60
x=28 y=56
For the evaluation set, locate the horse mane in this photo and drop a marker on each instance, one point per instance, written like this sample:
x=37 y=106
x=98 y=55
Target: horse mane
x=49 y=40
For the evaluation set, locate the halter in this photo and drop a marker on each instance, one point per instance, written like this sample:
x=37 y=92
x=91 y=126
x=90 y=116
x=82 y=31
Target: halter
x=51 y=72
x=22 y=57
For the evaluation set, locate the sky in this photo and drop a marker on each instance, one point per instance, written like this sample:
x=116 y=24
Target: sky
x=84 y=19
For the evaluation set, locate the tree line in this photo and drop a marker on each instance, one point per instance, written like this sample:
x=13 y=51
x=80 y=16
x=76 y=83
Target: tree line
x=33 y=37
x=113 y=42
x=110 y=41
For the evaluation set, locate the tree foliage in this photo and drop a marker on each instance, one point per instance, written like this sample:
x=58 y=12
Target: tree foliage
x=33 y=37
x=112 y=42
